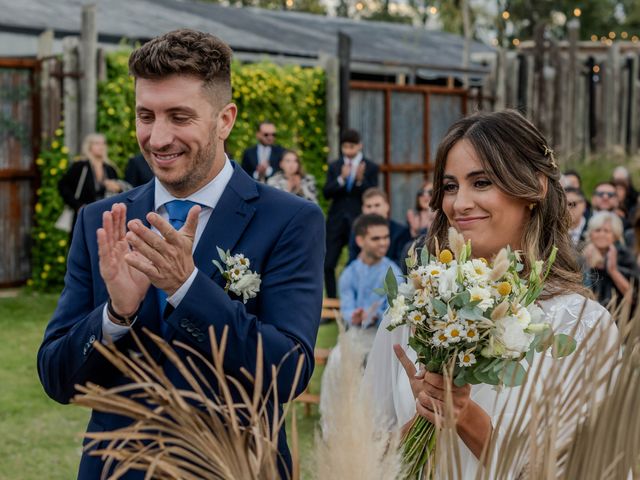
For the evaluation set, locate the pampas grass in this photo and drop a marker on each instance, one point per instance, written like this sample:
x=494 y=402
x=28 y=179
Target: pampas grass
x=189 y=434
x=351 y=446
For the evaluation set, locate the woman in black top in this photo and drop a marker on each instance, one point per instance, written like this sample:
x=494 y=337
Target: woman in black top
x=91 y=178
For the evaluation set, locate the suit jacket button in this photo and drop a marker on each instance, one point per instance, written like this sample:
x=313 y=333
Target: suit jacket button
x=189 y=328
x=184 y=322
x=200 y=337
x=92 y=339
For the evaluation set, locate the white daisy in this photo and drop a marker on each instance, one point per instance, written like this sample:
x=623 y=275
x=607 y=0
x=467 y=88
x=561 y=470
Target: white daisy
x=466 y=359
x=454 y=332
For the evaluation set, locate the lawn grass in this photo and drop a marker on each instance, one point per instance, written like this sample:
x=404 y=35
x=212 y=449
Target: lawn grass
x=39 y=438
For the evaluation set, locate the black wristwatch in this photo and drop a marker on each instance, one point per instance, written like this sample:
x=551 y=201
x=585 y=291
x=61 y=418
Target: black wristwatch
x=121 y=320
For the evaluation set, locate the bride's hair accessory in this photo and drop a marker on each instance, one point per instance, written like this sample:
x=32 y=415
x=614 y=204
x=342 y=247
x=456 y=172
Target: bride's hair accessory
x=549 y=153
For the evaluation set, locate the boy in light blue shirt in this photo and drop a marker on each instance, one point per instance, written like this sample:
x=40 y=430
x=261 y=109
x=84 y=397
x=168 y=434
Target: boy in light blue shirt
x=360 y=305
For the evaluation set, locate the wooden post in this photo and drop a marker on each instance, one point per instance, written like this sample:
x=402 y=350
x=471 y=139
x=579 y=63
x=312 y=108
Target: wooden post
x=45 y=48
x=572 y=76
x=331 y=68
x=344 y=55
x=88 y=67
x=610 y=92
x=522 y=90
x=70 y=99
x=632 y=143
x=554 y=111
x=539 y=80
x=500 y=71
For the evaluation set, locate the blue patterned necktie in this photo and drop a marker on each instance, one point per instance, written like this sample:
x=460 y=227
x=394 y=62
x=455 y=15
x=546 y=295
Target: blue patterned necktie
x=351 y=178
x=177 y=210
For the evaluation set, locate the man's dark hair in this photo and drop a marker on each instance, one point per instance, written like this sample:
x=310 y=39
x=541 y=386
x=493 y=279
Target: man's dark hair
x=350 y=136
x=577 y=191
x=186 y=52
x=362 y=224
x=573 y=173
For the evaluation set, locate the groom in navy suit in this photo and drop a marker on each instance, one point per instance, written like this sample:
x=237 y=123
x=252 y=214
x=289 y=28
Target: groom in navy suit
x=143 y=259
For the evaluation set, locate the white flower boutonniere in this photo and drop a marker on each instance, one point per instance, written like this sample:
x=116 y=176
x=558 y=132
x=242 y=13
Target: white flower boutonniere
x=243 y=282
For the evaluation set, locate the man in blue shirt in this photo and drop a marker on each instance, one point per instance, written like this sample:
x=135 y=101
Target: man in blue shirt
x=360 y=305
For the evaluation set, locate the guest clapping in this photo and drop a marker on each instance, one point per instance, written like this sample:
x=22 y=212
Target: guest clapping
x=292 y=178
x=610 y=267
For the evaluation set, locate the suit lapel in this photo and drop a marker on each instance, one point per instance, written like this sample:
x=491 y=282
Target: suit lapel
x=227 y=222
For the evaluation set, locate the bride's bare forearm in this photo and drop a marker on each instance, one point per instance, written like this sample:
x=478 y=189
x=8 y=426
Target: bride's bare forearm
x=475 y=428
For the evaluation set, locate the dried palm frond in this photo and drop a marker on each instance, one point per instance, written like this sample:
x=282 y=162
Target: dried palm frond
x=195 y=433
x=351 y=446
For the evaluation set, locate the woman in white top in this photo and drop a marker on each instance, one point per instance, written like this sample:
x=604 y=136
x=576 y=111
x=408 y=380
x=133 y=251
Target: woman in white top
x=497 y=183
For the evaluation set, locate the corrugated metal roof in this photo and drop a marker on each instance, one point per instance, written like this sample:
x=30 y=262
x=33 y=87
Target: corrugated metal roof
x=245 y=29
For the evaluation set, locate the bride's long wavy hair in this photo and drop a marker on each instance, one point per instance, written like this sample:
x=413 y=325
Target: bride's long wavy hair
x=516 y=158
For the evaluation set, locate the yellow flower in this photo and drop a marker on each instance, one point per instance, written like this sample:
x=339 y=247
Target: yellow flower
x=504 y=288
x=64 y=149
x=63 y=164
x=55 y=144
x=44 y=275
x=58 y=132
x=29 y=282
x=53 y=171
x=60 y=259
x=62 y=243
x=446 y=256
x=46 y=267
x=39 y=161
x=42 y=235
x=38 y=207
x=111 y=111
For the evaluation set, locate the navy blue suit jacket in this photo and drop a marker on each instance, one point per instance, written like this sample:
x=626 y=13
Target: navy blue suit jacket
x=283 y=237
x=250 y=158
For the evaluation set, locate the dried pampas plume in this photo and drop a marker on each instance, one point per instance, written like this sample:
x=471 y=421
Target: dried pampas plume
x=187 y=434
x=351 y=445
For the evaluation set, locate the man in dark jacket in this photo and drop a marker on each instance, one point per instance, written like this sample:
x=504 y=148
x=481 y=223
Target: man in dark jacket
x=263 y=159
x=347 y=179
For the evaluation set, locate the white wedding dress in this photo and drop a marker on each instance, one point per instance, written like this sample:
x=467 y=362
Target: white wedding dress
x=389 y=385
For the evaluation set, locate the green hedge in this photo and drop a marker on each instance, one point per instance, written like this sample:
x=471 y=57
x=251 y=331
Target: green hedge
x=290 y=96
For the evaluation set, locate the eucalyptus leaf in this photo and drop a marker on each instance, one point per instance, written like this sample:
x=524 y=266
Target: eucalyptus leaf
x=424 y=256
x=222 y=254
x=391 y=285
x=513 y=374
x=473 y=313
x=439 y=306
x=217 y=264
x=563 y=345
x=379 y=291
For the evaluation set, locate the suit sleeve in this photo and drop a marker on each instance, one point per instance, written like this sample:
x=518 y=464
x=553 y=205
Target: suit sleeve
x=370 y=178
x=67 y=357
x=332 y=188
x=289 y=304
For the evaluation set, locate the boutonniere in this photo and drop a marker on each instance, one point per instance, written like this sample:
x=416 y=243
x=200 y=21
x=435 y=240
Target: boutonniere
x=243 y=282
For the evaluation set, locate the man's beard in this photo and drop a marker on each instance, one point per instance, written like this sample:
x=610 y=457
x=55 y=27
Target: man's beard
x=198 y=172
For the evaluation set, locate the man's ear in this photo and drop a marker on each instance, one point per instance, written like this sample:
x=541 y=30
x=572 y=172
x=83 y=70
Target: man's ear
x=226 y=120
x=359 y=241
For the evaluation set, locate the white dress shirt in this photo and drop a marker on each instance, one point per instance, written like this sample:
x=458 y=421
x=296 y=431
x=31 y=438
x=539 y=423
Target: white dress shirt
x=264 y=154
x=355 y=163
x=207 y=197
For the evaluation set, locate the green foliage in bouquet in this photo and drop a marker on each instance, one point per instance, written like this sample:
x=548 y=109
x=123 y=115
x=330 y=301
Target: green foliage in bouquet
x=290 y=96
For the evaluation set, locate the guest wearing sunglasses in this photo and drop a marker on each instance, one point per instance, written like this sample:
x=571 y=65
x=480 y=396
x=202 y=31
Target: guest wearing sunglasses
x=263 y=159
x=605 y=197
x=421 y=217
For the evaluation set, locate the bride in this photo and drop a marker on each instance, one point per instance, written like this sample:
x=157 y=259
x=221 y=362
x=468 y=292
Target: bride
x=497 y=183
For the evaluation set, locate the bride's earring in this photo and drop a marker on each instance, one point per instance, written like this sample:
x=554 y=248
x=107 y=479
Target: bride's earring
x=531 y=205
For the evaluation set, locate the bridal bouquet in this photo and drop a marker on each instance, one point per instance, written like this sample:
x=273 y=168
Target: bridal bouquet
x=474 y=319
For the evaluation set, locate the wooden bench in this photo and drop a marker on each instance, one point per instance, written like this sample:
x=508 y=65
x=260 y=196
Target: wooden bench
x=330 y=312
